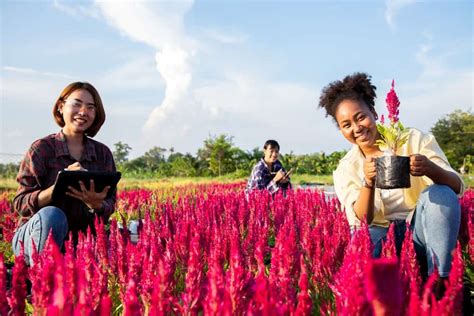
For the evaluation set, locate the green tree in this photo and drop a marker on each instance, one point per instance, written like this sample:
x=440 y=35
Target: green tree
x=121 y=152
x=154 y=158
x=288 y=160
x=9 y=170
x=217 y=152
x=183 y=166
x=455 y=135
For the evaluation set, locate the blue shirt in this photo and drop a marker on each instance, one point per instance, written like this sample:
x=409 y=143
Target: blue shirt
x=262 y=178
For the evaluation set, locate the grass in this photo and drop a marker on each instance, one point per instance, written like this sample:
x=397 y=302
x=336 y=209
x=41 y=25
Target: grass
x=8 y=184
x=131 y=183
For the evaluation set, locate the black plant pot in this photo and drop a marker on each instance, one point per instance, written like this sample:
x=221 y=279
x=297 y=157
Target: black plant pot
x=393 y=172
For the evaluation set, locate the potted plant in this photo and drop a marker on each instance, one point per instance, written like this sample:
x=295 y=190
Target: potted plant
x=392 y=171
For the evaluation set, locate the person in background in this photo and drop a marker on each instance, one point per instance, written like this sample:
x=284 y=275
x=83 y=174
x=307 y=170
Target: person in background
x=80 y=113
x=430 y=205
x=269 y=173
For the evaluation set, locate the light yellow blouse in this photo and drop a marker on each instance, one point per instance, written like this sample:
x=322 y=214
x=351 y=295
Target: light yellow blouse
x=349 y=174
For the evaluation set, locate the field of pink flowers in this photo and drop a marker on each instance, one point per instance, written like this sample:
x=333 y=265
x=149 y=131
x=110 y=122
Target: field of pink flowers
x=207 y=249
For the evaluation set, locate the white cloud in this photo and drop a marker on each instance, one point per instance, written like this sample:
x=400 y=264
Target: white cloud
x=392 y=8
x=245 y=105
x=159 y=25
x=252 y=109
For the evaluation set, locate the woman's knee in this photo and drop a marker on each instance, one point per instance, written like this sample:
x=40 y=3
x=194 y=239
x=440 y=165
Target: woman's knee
x=441 y=195
x=52 y=217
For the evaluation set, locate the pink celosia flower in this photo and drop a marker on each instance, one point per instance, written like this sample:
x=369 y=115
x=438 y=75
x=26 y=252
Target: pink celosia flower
x=383 y=286
x=389 y=249
x=210 y=248
x=395 y=135
x=131 y=300
x=392 y=104
x=237 y=277
x=304 y=300
x=3 y=288
x=192 y=293
x=105 y=307
x=450 y=304
x=17 y=296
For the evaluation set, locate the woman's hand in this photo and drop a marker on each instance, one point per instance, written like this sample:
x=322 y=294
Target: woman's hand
x=92 y=199
x=420 y=165
x=279 y=176
x=76 y=167
x=369 y=171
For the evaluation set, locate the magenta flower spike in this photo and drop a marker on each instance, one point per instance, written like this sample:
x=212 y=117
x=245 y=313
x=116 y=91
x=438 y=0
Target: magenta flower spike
x=450 y=304
x=191 y=296
x=208 y=249
x=383 y=286
x=105 y=307
x=131 y=300
x=17 y=296
x=394 y=134
x=304 y=303
x=3 y=287
x=388 y=248
x=392 y=104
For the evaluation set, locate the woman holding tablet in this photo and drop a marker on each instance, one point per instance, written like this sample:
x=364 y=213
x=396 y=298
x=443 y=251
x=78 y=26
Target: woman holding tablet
x=80 y=113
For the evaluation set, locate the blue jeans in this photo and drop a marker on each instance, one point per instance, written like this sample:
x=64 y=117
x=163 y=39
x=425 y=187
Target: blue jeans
x=49 y=218
x=435 y=227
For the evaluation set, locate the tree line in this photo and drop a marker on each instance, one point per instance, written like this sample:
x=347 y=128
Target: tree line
x=219 y=156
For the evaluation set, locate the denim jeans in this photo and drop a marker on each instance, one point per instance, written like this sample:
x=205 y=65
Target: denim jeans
x=49 y=218
x=435 y=227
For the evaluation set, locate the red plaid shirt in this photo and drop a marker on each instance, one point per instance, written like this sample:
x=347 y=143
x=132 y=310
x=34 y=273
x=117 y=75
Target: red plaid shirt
x=39 y=169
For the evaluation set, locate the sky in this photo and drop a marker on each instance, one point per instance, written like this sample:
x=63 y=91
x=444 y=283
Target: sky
x=173 y=73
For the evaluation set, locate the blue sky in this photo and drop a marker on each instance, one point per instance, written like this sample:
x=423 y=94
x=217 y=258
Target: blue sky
x=173 y=73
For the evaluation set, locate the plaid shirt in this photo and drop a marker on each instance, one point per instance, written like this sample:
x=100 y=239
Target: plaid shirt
x=38 y=171
x=262 y=178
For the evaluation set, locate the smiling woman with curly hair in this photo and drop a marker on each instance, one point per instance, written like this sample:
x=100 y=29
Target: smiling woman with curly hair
x=430 y=205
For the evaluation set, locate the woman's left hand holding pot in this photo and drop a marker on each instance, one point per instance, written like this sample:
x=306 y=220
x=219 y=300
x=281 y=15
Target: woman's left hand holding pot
x=420 y=165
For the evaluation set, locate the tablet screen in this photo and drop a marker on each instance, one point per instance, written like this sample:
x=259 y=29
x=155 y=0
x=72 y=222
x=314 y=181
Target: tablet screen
x=71 y=178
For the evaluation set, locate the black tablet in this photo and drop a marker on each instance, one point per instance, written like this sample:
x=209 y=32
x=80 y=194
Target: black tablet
x=71 y=178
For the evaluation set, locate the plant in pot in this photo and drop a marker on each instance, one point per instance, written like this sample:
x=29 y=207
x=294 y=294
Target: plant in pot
x=392 y=171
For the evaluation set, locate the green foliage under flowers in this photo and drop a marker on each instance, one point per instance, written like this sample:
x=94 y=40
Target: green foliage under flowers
x=469 y=273
x=393 y=136
x=6 y=250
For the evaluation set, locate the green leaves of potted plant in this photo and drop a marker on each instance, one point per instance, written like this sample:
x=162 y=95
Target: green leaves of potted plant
x=392 y=171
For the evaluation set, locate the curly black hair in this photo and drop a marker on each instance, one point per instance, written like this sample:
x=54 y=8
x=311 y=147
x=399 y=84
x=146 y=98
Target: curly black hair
x=357 y=86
